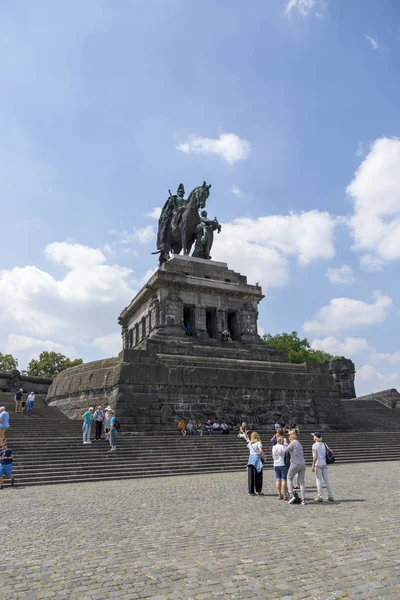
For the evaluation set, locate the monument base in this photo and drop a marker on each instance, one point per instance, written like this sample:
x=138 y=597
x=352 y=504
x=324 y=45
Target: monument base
x=179 y=362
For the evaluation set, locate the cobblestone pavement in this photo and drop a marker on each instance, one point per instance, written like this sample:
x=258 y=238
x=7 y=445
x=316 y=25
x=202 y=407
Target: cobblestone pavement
x=203 y=537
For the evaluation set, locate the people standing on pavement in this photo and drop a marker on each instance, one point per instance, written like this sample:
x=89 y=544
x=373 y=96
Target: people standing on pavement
x=255 y=464
x=6 y=458
x=297 y=467
x=278 y=456
x=87 y=425
x=31 y=402
x=98 y=418
x=320 y=468
x=113 y=432
x=4 y=423
x=18 y=400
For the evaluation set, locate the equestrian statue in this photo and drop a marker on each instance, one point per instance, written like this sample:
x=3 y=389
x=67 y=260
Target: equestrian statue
x=180 y=224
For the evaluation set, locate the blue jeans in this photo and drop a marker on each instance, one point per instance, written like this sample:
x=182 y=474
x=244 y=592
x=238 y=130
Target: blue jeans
x=281 y=473
x=113 y=437
x=86 y=432
x=29 y=407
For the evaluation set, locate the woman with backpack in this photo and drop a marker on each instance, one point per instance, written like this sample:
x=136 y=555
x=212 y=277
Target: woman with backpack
x=255 y=464
x=320 y=467
x=297 y=467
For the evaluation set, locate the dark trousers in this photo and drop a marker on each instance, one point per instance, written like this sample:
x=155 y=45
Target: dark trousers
x=98 y=425
x=255 y=479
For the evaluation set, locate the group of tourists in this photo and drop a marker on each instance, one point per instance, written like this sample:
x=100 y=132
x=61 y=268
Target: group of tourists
x=24 y=403
x=289 y=464
x=101 y=418
x=209 y=427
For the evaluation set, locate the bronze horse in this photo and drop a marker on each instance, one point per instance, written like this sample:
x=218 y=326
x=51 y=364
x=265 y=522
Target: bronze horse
x=181 y=233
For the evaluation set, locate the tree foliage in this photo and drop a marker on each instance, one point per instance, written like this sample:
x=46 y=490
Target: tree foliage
x=8 y=362
x=299 y=351
x=50 y=364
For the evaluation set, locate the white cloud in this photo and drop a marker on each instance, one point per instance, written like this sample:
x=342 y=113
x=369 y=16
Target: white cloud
x=237 y=191
x=370 y=380
x=371 y=263
x=25 y=348
x=110 y=344
x=344 y=313
x=348 y=347
x=341 y=275
x=259 y=247
x=228 y=146
x=375 y=190
x=388 y=357
x=139 y=235
x=74 y=255
x=71 y=311
x=155 y=213
x=304 y=7
x=373 y=42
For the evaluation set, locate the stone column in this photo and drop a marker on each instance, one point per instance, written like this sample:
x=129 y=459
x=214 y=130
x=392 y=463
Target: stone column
x=200 y=323
x=124 y=334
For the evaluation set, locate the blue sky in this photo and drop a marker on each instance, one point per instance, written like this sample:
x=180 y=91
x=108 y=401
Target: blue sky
x=288 y=107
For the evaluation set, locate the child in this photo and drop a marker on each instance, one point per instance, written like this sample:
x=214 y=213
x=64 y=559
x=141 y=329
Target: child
x=6 y=458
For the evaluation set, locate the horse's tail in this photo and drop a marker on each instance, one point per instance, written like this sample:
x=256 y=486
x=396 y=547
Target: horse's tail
x=157 y=252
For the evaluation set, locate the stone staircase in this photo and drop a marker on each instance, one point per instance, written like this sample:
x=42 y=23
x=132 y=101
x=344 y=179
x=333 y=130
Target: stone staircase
x=371 y=415
x=48 y=449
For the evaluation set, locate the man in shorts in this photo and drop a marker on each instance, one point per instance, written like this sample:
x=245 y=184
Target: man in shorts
x=6 y=458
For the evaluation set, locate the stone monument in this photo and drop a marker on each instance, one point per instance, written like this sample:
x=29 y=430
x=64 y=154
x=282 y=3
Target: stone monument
x=191 y=349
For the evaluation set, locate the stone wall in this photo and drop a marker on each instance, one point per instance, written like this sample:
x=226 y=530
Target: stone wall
x=156 y=391
x=13 y=381
x=89 y=384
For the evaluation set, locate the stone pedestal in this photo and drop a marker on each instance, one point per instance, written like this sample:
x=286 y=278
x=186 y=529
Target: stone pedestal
x=163 y=374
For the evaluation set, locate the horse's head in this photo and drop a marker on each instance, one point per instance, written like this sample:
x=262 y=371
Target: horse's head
x=198 y=197
x=203 y=193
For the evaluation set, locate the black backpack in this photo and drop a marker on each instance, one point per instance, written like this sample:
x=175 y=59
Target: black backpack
x=287 y=459
x=296 y=498
x=329 y=456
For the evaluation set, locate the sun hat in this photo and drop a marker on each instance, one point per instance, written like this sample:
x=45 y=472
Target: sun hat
x=317 y=435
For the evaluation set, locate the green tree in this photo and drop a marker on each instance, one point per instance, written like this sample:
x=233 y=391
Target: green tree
x=299 y=351
x=50 y=364
x=8 y=362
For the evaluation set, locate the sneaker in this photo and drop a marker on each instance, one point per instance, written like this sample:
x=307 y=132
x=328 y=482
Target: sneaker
x=331 y=499
x=303 y=502
x=292 y=499
x=260 y=494
x=318 y=500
